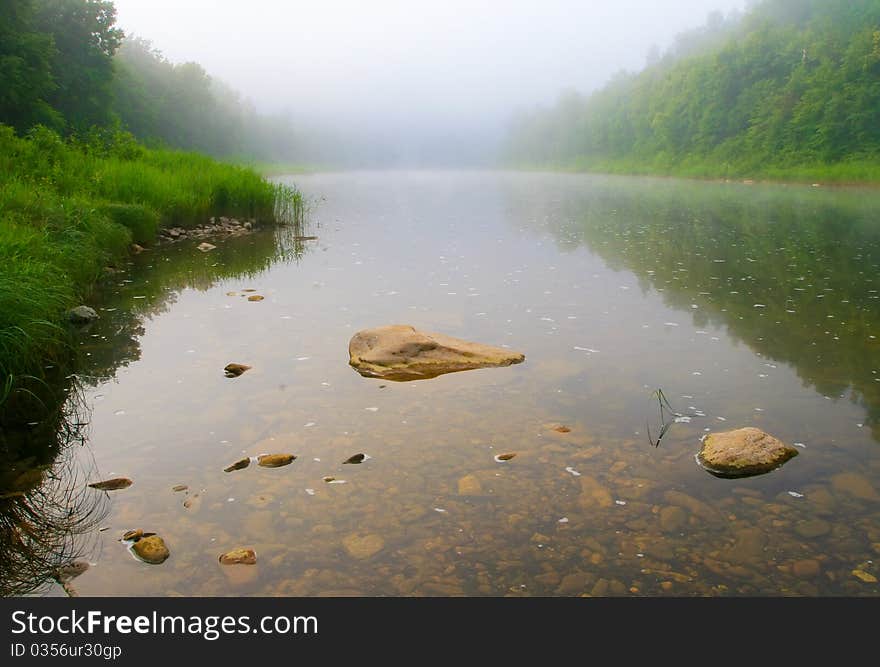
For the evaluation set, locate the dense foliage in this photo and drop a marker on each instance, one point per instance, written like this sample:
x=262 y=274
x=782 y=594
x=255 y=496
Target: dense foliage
x=65 y=65
x=793 y=86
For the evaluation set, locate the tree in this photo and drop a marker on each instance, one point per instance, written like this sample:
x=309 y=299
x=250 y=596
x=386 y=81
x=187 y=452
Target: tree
x=25 y=68
x=85 y=39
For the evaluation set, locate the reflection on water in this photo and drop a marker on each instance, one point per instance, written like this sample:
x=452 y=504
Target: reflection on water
x=739 y=306
x=48 y=517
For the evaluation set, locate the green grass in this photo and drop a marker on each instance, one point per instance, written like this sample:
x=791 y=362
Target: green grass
x=70 y=209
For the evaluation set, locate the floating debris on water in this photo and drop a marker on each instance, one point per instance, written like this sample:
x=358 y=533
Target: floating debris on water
x=372 y=409
x=562 y=520
x=255 y=297
x=620 y=502
x=310 y=492
x=356 y=458
x=179 y=487
x=440 y=509
x=795 y=494
x=572 y=471
x=501 y=458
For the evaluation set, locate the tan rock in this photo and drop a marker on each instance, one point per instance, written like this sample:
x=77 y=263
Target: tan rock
x=743 y=452
x=275 y=460
x=234 y=370
x=672 y=519
x=112 y=484
x=855 y=485
x=151 y=549
x=867 y=577
x=238 y=465
x=469 y=485
x=241 y=556
x=205 y=247
x=594 y=493
x=363 y=546
x=811 y=528
x=255 y=297
x=693 y=505
x=806 y=569
x=402 y=353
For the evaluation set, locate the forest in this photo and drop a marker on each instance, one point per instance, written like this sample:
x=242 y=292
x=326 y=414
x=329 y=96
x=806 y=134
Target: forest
x=790 y=90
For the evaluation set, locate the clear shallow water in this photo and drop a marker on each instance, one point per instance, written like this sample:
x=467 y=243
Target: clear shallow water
x=745 y=305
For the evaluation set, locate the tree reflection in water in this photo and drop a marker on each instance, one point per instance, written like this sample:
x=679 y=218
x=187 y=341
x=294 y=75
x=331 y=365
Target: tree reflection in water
x=48 y=515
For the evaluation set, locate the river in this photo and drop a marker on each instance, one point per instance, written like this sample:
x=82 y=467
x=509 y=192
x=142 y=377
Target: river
x=741 y=305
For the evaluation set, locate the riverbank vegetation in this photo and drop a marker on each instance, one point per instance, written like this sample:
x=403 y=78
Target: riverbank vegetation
x=789 y=90
x=76 y=189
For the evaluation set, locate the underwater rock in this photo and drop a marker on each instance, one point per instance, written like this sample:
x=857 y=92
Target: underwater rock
x=275 y=460
x=241 y=464
x=743 y=452
x=239 y=557
x=363 y=546
x=402 y=353
x=234 y=370
x=82 y=315
x=112 y=484
x=505 y=457
x=469 y=486
x=357 y=458
x=205 y=247
x=151 y=549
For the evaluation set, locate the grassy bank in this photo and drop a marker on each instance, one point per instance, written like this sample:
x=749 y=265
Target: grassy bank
x=68 y=210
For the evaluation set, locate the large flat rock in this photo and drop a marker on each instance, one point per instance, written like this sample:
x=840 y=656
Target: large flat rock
x=400 y=352
x=743 y=452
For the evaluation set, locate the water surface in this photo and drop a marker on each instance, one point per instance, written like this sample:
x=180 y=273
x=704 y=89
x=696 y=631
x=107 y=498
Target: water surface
x=744 y=305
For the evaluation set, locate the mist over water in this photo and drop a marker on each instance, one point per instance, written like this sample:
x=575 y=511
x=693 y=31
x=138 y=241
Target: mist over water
x=388 y=83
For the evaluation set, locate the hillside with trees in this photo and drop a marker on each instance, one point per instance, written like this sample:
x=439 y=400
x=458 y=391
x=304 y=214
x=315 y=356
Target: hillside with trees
x=789 y=89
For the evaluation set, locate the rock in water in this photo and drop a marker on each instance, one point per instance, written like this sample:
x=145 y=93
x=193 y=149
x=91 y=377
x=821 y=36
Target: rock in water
x=151 y=549
x=112 y=484
x=238 y=465
x=82 y=315
x=357 y=458
x=239 y=557
x=743 y=452
x=401 y=353
x=205 y=247
x=234 y=370
x=363 y=546
x=255 y=297
x=275 y=460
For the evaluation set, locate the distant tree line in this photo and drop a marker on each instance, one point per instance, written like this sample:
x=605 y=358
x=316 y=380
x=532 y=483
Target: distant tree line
x=65 y=65
x=790 y=82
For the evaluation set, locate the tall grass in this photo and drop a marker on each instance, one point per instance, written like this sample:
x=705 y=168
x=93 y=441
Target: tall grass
x=70 y=209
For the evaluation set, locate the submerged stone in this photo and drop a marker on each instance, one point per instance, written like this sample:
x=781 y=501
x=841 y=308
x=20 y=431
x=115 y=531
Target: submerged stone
x=363 y=546
x=239 y=557
x=469 y=485
x=205 y=247
x=112 y=484
x=82 y=315
x=275 y=460
x=402 y=353
x=743 y=452
x=151 y=549
x=238 y=465
x=357 y=458
x=234 y=370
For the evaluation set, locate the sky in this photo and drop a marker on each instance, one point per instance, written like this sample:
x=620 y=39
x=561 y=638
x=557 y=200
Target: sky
x=435 y=71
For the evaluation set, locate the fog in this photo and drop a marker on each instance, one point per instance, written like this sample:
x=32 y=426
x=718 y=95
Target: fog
x=397 y=82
